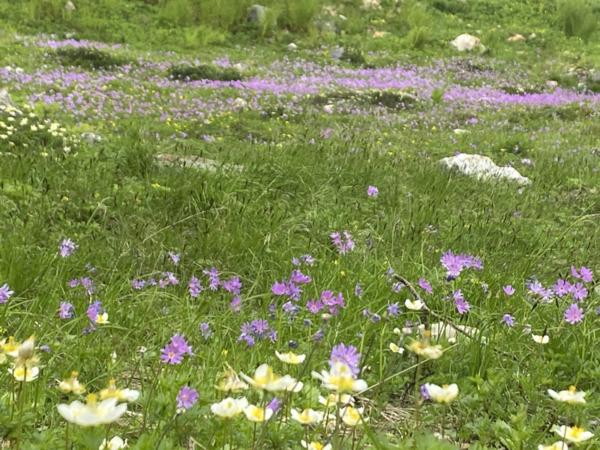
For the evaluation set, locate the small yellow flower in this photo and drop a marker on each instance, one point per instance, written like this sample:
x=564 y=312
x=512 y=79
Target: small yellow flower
x=155 y=185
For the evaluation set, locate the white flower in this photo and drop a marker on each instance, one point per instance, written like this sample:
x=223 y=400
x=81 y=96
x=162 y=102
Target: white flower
x=540 y=339
x=560 y=445
x=72 y=385
x=290 y=357
x=229 y=407
x=571 y=396
x=574 y=434
x=352 y=416
x=333 y=399
x=19 y=372
x=417 y=305
x=395 y=348
x=231 y=382
x=265 y=379
x=128 y=395
x=256 y=414
x=340 y=379
x=442 y=394
x=114 y=444
x=315 y=445
x=92 y=413
x=307 y=417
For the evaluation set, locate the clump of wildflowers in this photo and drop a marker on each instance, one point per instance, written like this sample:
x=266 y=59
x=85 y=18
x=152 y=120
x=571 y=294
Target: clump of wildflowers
x=67 y=247
x=455 y=264
x=5 y=293
x=343 y=244
x=66 y=310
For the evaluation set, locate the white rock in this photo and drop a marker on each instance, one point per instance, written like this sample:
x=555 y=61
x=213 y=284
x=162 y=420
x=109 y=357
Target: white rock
x=467 y=42
x=291 y=47
x=91 y=138
x=6 y=101
x=69 y=6
x=482 y=168
x=239 y=105
x=460 y=131
x=551 y=83
x=516 y=38
x=371 y=4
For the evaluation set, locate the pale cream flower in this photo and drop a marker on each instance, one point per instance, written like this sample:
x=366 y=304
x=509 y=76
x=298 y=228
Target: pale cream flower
x=315 y=445
x=541 y=339
x=571 y=396
x=422 y=347
x=353 y=416
x=114 y=444
x=340 y=379
x=573 y=434
x=265 y=379
x=395 y=348
x=11 y=347
x=92 y=413
x=229 y=407
x=24 y=372
x=256 y=414
x=307 y=417
x=417 y=305
x=72 y=385
x=442 y=394
x=560 y=445
x=231 y=382
x=333 y=399
x=290 y=357
x=128 y=395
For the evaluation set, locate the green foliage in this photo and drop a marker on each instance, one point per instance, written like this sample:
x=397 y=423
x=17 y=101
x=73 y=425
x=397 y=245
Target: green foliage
x=576 y=18
x=353 y=55
x=204 y=72
x=298 y=15
x=88 y=58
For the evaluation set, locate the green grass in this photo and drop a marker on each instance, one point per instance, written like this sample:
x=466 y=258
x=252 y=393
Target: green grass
x=126 y=212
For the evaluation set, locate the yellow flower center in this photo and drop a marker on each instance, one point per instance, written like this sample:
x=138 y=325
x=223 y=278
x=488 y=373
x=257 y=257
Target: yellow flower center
x=259 y=414
x=91 y=399
x=576 y=432
x=572 y=389
x=353 y=413
x=445 y=386
x=316 y=445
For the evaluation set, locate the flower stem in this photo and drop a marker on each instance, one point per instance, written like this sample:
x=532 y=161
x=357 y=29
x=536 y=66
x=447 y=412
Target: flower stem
x=21 y=400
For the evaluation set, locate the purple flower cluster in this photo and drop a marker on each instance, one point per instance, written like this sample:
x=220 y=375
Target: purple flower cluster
x=424 y=284
x=175 y=350
x=195 y=287
x=348 y=355
x=343 y=246
x=258 y=329
x=455 y=264
x=290 y=288
x=328 y=300
x=67 y=247
x=462 y=306
x=205 y=330
x=5 y=293
x=66 y=311
x=306 y=259
x=234 y=285
x=93 y=311
x=174 y=257
x=167 y=279
x=213 y=276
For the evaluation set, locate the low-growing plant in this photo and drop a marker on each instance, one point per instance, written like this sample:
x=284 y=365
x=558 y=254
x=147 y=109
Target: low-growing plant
x=576 y=18
x=204 y=72
x=298 y=15
x=88 y=58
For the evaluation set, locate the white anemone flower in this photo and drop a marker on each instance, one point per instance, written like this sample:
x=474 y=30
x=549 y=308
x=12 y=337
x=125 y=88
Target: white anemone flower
x=442 y=394
x=114 y=444
x=571 y=396
x=560 y=445
x=313 y=445
x=352 y=416
x=92 y=413
x=229 y=407
x=540 y=339
x=307 y=417
x=417 y=305
x=573 y=434
x=340 y=379
x=265 y=380
x=256 y=414
x=290 y=357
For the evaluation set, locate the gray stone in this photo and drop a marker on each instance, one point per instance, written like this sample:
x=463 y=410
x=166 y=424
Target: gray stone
x=336 y=52
x=69 y=6
x=595 y=77
x=482 y=168
x=257 y=14
x=239 y=105
x=6 y=103
x=467 y=42
x=195 y=162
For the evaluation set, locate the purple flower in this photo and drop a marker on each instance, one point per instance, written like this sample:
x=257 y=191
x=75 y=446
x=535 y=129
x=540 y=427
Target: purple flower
x=536 y=288
x=45 y=348
x=397 y=287
x=136 y=284
x=248 y=339
x=170 y=278
x=174 y=257
x=561 y=287
x=424 y=284
x=171 y=354
x=574 y=314
x=274 y=405
x=314 y=306
x=272 y=335
x=393 y=309
x=94 y=310
x=342 y=246
x=579 y=292
x=308 y=260
x=5 y=293
x=279 y=288
x=178 y=341
x=508 y=320
x=213 y=276
x=234 y=285
x=367 y=313
x=187 y=397
x=295 y=261
x=575 y=273
x=462 y=306
x=375 y=318
x=89 y=286
x=348 y=355
x=73 y=283
x=509 y=290
x=299 y=277
x=67 y=247
x=236 y=304
x=586 y=274
x=65 y=311
x=205 y=330
x=358 y=290
x=259 y=326
x=372 y=191
x=195 y=287
x=425 y=392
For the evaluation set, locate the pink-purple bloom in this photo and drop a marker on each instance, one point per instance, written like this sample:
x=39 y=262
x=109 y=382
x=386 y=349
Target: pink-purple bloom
x=348 y=355
x=509 y=290
x=424 y=284
x=174 y=257
x=234 y=285
x=175 y=350
x=343 y=244
x=236 y=304
x=67 y=247
x=574 y=314
x=187 y=397
x=508 y=320
x=579 y=291
x=372 y=191
x=195 y=287
x=66 y=311
x=561 y=287
x=455 y=264
x=5 y=293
